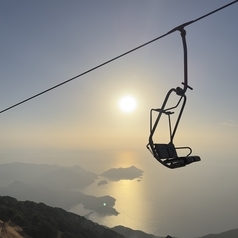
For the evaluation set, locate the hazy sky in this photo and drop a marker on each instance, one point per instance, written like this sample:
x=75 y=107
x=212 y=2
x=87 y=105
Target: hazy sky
x=44 y=43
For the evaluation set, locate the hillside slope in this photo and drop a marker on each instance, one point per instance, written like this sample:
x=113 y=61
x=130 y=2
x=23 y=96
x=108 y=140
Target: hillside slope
x=11 y=230
x=227 y=234
x=42 y=221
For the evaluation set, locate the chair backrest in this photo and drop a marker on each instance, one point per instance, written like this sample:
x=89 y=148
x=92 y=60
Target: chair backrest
x=165 y=151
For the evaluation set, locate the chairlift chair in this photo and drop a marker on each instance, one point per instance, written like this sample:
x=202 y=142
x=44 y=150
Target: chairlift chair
x=167 y=154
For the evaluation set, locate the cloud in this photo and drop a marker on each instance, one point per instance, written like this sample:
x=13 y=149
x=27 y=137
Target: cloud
x=230 y=123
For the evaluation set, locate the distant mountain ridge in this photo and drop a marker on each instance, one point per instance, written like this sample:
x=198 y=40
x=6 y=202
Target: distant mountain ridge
x=227 y=234
x=130 y=233
x=74 y=177
x=23 y=172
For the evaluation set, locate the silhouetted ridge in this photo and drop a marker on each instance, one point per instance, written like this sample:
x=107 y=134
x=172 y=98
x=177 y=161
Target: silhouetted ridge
x=227 y=234
x=129 y=233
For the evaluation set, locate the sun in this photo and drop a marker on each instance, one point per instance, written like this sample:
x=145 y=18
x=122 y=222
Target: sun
x=127 y=104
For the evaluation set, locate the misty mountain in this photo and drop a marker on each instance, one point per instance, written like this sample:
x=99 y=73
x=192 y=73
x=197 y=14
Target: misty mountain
x=66 y=178
x=52 y=176
x=117 y=174
x=42 y=221
x=46 y=175
x=23 y=172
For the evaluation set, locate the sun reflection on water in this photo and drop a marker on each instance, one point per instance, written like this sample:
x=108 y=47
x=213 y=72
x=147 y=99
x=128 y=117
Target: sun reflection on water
x=134 y=199
x=130 y=203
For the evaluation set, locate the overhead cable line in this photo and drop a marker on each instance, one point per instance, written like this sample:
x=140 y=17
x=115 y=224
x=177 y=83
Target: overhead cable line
x=119 y=56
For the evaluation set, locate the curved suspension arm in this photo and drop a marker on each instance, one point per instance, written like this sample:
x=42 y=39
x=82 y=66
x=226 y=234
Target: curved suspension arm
x=179 y=90
x=183 y=34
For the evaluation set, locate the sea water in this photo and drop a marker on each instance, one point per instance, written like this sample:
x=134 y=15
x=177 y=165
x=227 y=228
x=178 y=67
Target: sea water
x=187 y=202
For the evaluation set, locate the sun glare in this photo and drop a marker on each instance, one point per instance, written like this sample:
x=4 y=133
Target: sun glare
x=127 y=104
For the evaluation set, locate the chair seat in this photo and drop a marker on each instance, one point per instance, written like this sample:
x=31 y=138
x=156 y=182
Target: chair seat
x=181 y=161
x=167 y=155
